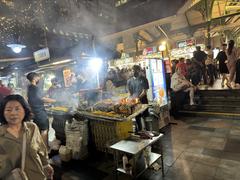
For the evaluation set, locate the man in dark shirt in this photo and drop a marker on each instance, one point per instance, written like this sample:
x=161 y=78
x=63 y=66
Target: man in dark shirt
x=36 y=101
x=201 y=56
x=137 y=87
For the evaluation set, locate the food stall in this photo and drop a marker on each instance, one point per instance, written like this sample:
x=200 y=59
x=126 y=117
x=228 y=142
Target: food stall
x=155 y=67
x=72 y=86
x=111 y=120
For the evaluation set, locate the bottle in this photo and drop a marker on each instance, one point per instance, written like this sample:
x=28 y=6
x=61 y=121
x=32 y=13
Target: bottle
x=128 y=169
x=125 y=161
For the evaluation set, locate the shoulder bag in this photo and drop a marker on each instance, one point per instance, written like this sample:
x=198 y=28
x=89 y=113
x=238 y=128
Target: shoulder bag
x=18 y=173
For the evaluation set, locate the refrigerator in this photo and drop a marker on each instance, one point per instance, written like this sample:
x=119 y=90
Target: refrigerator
x=155 y=73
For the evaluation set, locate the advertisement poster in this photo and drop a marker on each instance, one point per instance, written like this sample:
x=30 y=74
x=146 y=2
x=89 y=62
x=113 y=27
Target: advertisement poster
x=156 y=77
x=67 y=75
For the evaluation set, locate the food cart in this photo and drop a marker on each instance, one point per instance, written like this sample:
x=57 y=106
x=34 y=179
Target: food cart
x=109 y=127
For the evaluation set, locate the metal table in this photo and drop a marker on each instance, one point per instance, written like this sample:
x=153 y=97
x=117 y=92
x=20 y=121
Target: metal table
x=134 y=148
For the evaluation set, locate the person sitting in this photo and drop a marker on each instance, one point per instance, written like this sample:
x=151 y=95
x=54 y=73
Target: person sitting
x=180 y=83
x=15 y=114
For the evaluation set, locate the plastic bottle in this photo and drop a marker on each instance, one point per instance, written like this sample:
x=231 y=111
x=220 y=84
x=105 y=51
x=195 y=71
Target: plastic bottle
x=125 y=161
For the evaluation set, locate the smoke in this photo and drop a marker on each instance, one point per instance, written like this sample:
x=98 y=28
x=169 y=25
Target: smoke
x=74 y=16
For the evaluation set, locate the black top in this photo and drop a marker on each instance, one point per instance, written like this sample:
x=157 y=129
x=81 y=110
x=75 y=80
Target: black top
x=35 y=98
x=222 y=57
x=200 y=56
x=136 y=86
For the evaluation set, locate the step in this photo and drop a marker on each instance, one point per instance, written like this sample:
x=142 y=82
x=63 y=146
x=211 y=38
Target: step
x=219 y=93
x=220 y=98
x=214 y=108
x=223 y=103
x=233 y=116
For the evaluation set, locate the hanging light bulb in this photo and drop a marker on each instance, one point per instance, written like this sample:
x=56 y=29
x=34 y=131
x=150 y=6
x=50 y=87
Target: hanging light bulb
x=17 y=48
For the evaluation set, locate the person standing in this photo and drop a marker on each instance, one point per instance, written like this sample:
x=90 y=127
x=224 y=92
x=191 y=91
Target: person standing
x=232 y=57
x=222 y=58
x=53 y=91
x=4 y=91
x=200 y=56
x=36 y=101
x=210 y=65
x=14 y=114
x=183 y=67
x=137 y=87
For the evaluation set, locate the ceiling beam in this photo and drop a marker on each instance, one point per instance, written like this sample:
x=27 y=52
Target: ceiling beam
x=15 y=59
x=138 y=28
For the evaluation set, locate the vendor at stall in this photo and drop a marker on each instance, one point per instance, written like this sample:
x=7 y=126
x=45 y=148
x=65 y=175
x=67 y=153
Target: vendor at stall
x=137 y=87
x=54 y=89
x=36 y=101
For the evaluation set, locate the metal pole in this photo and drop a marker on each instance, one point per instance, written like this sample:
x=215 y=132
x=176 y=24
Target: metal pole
x=208 y=23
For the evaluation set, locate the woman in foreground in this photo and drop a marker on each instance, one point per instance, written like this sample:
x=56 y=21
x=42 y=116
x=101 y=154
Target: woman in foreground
x=14 y=114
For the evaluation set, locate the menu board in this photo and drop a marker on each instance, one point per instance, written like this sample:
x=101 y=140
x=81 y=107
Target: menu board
x=67 y=76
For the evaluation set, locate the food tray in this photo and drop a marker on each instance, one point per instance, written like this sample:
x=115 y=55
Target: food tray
x=90 y=115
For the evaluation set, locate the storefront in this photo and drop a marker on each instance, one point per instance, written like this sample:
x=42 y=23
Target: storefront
x=185 y=49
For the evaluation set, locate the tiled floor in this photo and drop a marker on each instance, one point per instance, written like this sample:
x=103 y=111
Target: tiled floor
x=195 y=149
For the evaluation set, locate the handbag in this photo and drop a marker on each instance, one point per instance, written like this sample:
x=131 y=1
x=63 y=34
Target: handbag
x=18 y=173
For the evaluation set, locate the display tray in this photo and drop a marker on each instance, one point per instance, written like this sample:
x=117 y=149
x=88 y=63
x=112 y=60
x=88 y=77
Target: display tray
x=91 y=115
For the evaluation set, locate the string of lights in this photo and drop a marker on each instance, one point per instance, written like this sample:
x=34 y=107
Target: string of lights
x=18 y=17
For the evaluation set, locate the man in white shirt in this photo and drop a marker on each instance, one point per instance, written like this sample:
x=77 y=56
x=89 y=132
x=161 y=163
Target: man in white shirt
x=180 y=83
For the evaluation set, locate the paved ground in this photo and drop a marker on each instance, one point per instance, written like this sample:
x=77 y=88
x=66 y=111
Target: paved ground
x=195 y=149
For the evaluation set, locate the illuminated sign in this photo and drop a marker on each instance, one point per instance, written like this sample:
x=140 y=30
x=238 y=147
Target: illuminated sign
x=41 y=55
x=188 y=42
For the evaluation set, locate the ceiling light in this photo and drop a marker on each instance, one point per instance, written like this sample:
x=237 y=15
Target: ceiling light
x=17 y=48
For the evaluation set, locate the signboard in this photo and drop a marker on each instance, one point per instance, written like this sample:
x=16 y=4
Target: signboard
x=188 y=42
x=41 y=55
x=67 y=76
x=149 y=50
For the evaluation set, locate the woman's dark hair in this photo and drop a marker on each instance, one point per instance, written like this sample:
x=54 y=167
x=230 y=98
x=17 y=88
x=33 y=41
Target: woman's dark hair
x=19 y=99
x=230 y=47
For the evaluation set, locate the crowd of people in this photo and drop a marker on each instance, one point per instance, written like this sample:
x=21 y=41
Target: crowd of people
x=203 y=68
x=16 y=130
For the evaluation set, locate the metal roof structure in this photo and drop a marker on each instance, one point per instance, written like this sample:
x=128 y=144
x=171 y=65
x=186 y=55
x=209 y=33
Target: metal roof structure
x=196 y=18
